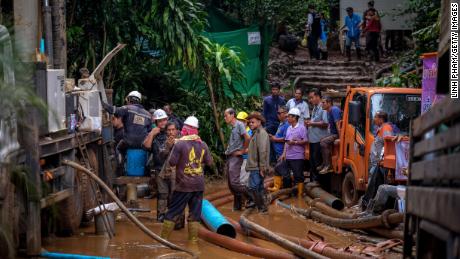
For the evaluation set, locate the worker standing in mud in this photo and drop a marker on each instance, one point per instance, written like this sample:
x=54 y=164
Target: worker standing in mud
x=294 y=148
x=282 y=177
x=136 y=120
x=317 y=129
x=244 y=175
x=258 y=160
x=237 y=146
x=188 y=156
x=156 y=142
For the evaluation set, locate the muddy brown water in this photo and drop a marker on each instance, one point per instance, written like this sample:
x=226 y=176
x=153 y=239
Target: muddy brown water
x=130 y=242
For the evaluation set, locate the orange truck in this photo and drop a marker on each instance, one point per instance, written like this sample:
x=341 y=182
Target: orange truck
x=351 y=152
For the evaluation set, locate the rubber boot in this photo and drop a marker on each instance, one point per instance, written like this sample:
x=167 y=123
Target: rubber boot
x=162 y=206
x=166 y=229
x=237 y=199
x=277 y=183
x=300 y=187
x=193 y=227
x=348 y=51
x=251 y=201
x=260 y=202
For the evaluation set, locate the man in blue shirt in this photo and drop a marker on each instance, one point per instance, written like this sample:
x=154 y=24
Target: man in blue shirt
x=271 y=105
x=278 y=145
x=270 y=109
x=352 y=22
x=334 y=115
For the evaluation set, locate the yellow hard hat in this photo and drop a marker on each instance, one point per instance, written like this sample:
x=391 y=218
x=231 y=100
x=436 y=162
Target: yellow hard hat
x=242 y=116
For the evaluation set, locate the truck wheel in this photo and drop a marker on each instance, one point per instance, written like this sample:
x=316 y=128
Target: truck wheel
x=70 y=210
x=350 y=194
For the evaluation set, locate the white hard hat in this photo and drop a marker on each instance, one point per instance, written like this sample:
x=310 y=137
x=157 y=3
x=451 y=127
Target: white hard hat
x=159 y=114
x=294 y=111
x=191 y=121
x=135 y=94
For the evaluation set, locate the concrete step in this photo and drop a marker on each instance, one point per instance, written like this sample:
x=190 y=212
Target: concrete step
x=332 y=63
x=320 y=72
x=331 y=68
x=324 y=85
x=333 y=79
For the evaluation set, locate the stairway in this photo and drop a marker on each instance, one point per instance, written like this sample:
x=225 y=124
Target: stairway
x=336 y=75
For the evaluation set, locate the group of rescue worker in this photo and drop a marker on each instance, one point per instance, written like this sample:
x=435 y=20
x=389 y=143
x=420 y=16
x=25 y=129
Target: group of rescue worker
x=276 y=138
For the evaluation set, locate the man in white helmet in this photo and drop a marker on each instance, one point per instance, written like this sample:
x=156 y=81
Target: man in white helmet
x=294 y=148
x=188 y=156
x=155 y=142
x=136 y=120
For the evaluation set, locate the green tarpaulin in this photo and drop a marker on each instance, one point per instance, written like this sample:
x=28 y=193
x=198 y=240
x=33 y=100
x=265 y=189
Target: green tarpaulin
x=251 y=42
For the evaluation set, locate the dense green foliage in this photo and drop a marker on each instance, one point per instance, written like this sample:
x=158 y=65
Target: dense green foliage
x=292 y=13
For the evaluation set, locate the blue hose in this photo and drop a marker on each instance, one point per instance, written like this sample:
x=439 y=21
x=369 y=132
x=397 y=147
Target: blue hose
x=70 y=256
x=215 y=221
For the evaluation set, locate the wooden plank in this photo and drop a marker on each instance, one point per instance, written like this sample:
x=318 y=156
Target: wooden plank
x=446 y=139
x=442 y=168
x=129 y=179
x=443 y=111
x=55 y=197
x=439 y=205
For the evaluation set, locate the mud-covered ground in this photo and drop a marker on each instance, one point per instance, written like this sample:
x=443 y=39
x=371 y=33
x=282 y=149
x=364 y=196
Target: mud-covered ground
x=130 y=242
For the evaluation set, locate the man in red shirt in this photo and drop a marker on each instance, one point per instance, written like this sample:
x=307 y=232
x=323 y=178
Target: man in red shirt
x=373 y=28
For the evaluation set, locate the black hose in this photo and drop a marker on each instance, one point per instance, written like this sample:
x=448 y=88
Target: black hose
x=385 y=220
x=125 y=210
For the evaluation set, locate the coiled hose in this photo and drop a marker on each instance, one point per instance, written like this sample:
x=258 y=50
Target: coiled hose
x=126 y=211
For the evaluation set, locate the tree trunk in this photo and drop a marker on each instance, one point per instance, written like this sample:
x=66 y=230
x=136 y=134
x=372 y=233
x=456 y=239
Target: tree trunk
x=214 y=111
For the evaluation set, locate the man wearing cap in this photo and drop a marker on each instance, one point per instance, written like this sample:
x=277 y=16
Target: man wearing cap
x=136 y=120
x=258 y=160
x=294 y=149
x=237 y=145
x=188 y=156
x=155 y=142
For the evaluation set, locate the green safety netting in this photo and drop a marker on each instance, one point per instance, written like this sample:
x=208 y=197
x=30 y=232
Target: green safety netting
x=253 y=42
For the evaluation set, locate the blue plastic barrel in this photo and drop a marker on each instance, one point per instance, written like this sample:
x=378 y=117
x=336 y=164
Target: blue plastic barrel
x=215 y=221
x=135 y=162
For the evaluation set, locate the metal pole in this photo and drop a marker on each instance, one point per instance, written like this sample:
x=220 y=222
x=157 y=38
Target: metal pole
x=48 y=32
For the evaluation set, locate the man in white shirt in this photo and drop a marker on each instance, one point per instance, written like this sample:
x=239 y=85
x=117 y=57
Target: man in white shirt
x=299 y=103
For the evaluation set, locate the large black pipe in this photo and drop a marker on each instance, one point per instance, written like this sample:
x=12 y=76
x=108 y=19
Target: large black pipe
x=387 y=220
x=315 y=191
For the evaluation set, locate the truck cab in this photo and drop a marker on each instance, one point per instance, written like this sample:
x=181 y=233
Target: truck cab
x=351 y=152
